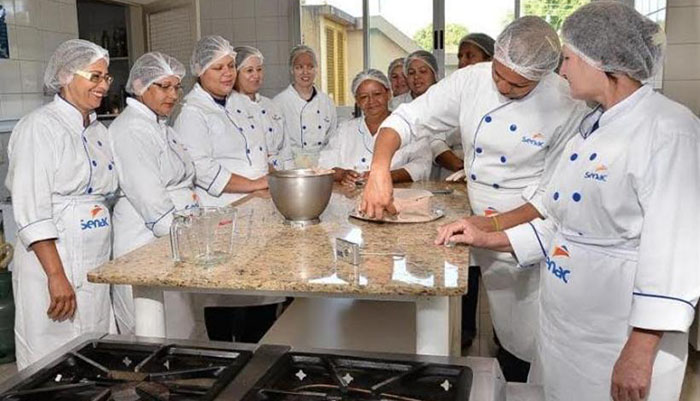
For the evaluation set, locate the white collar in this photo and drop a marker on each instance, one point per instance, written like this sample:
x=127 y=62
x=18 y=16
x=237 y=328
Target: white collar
x=72 y=114
x=142 y=108
x=603 y=117
x=626 y=104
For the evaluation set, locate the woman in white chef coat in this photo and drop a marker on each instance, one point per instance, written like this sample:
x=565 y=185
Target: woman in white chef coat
x=421 y=71
x=396 y=77
x=156 y=175
x=247 y=100
x=515 y=115
x=231 y=159
x=619 y=248
x=247 y=318
x=309 y=114
x=60 y=173
x=229 y=153
x=349 y=151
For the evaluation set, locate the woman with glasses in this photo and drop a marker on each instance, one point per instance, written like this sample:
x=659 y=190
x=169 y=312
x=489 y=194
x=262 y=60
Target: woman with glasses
x=156 y=175
x=60 y=173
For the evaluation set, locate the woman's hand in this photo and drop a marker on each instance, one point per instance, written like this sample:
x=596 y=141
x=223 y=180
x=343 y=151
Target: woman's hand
x=461 y=231
x=348 y=178
x=62 y=295
x=631 y=375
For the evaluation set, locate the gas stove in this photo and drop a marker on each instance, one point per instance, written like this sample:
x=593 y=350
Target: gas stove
x=309 y=376
x=102 y=370
x=113 y=368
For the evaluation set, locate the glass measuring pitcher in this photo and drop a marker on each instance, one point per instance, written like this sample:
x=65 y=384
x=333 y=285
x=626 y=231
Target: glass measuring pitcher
x=203 y=235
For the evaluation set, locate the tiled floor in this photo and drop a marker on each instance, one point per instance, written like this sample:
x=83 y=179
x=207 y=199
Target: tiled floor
x=483 y=345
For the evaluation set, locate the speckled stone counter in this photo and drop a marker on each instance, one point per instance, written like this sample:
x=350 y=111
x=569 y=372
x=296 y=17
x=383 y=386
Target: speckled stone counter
x=273 y=257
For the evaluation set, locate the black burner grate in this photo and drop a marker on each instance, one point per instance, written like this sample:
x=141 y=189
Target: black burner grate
x=313 y=377
x=108 y=371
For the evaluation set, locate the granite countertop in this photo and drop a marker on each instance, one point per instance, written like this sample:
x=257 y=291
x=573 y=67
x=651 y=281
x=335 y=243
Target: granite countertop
x=272 y=257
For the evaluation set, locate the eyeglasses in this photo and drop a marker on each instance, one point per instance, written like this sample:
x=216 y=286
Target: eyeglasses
x=95 y=77
x=167 y=87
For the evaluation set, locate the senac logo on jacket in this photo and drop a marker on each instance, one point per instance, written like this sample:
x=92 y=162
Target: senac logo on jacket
x=555 y=268
x=96 y=220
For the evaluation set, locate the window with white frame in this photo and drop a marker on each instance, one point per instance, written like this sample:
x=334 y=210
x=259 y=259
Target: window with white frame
x=335 y=29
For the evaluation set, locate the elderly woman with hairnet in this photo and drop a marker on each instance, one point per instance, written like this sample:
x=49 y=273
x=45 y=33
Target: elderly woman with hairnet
x=515 y=115
x=156 y=175
x=619 y=248
x=349 y=151
x=309 y=114
x=60 y=173
x=246 y=100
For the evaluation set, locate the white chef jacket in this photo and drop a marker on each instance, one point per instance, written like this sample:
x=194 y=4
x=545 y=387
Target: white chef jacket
x=397 y=101
x=620 y=247
x=221 y=141
x=352 y=146
x=59 y=176
x=308 y=125
x=439 y=141
x=270 y=123
x=510 y=150
x=156 y=178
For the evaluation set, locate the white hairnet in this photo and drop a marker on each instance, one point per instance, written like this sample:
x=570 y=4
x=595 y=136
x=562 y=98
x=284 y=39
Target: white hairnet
x=207 y=51
x=70 y=56
x=395 y=63
x=244 y=53
x=151 y=67
x=529 y=46
x=480 y=40
x=614 y=37
x=299 y=50
x=424 y=56
x=370 y=74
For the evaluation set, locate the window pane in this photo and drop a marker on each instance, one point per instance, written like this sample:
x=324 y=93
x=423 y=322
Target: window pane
x=473 y=16
x=333 y=30
x=552 y=11
x=397 y=28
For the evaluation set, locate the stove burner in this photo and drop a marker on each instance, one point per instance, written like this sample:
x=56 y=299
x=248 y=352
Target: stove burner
x=315 y=377
x=101 y=371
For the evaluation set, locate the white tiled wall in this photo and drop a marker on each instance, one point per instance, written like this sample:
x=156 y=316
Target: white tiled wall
x=35 y=29
x=263 y=24
x=682 y=69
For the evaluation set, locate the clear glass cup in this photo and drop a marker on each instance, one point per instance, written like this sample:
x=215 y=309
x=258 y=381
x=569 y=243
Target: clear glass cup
x=203 y=235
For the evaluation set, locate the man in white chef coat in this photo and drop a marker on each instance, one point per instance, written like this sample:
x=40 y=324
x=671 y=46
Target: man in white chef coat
x=515 y=115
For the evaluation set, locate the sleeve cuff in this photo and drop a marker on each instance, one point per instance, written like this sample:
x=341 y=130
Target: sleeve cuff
x=220 y=180
x=438 y=147
x=161 y=227
x=414 y=172
x=658 y=312
x=37 y=231
x=400 y=125
x=527 y=245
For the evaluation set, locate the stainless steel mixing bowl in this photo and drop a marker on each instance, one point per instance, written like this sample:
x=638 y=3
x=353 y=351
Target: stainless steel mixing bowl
x=301 y=195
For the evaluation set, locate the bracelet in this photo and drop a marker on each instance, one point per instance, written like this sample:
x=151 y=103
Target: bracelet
x=495 y=223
